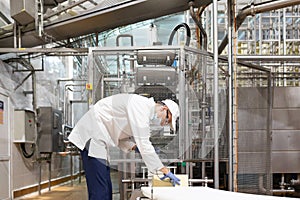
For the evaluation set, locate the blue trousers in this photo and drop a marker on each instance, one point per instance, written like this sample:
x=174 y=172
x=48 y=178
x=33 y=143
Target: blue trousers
x=97 y=173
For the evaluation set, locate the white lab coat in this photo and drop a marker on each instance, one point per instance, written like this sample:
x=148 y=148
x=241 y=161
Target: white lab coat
x=113 y=121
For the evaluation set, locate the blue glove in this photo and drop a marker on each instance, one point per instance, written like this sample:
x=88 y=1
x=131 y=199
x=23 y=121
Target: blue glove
x=173 y=179
x=157 y=150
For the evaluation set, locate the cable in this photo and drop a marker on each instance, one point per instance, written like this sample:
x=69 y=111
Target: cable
x=24 y=152
x=188 y=34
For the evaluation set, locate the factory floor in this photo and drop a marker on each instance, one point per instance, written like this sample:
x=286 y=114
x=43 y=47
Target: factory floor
x=64 y=192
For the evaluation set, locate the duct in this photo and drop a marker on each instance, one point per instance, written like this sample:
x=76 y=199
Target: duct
x=254 y=9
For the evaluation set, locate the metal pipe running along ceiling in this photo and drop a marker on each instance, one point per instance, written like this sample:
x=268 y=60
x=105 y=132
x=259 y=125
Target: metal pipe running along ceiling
x=102 y=19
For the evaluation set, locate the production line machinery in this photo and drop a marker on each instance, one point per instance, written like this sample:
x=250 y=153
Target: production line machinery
x=174 y=72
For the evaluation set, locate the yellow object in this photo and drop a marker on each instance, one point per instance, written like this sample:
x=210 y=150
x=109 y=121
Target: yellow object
x=89 y=86
x=156 y=182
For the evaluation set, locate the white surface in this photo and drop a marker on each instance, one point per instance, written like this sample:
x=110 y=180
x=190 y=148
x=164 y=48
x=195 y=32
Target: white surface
x=190 y=193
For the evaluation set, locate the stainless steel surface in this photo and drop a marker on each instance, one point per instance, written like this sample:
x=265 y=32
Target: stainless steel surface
x=252 y=119
x=252 y=163
x=157 y=75
x=286 y=97
x=286 y=119
x=286 y=162
x=252 y=152
x=252 y=98
x=216 y=94
x=253 y=148
x=50 y=138
x=156 y=57
x=285 y=128
x=286 y=140
x=99 y=20
x=252 y=141
x=23 y=11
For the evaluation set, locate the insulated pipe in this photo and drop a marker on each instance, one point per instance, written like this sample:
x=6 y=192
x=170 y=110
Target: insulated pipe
x=199 y=24
x=254 y=9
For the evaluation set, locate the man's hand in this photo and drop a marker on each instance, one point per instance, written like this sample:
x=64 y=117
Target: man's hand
x=174 y=180
x=135 y=149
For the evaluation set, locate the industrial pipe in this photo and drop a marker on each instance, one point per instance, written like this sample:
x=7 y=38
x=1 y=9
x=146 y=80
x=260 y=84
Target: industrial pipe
x=216 y=93
x=65 y=109
x=118 y=59
x=199 y=24
x=254 y=9
x=205 y=181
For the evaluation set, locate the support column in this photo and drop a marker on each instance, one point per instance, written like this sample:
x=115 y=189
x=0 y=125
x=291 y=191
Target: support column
x=216 y=91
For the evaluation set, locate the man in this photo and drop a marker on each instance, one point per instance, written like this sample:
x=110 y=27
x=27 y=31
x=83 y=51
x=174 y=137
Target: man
x=114 y=121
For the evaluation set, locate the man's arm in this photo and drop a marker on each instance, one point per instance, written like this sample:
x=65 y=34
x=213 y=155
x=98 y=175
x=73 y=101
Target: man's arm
x=164 y=169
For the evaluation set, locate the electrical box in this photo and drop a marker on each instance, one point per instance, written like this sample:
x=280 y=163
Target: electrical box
x=24 y=126
x=23 y=11
x=50 y=136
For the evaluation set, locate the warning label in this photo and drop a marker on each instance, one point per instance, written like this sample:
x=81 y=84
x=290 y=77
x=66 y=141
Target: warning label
x=1 y=111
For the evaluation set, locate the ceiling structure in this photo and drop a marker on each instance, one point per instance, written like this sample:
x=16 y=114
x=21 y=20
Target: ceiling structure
x=98 y=17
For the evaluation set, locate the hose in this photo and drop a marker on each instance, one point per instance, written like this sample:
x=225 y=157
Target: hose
x=188 y=34
x=25 y=153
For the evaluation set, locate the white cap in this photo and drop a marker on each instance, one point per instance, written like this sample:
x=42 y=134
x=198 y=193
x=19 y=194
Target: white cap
x=174 y=109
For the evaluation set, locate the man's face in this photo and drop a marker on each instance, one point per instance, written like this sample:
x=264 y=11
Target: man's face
x=165 y=116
